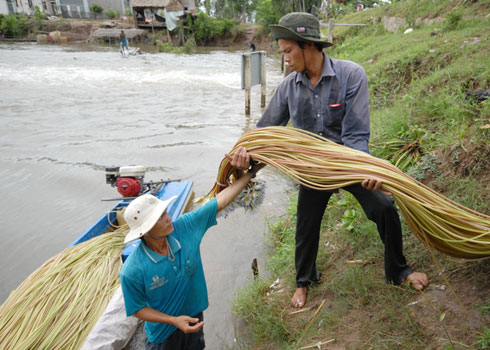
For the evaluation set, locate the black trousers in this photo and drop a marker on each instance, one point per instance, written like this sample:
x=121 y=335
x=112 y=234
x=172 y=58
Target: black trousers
x=378 y=208
x=179 y=340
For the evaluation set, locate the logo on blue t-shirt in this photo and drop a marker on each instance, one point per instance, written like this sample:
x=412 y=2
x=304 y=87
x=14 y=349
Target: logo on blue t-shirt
x=158 y=282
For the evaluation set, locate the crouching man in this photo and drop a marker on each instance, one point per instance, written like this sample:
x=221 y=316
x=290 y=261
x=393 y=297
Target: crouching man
x=163 y=279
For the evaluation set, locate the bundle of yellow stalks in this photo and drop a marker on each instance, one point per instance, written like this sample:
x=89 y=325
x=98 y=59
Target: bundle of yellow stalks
x=318 y=163
x=57 y=306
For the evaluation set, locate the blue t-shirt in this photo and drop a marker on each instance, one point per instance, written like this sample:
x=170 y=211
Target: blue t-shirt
x=177 y=287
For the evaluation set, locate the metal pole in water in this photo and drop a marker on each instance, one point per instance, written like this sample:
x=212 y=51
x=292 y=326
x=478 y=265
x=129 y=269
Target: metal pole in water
x=262 y=80
x=248 y=79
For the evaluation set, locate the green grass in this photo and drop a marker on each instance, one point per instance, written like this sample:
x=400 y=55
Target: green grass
x=351 y=290
x=419 y=84
x=359 y=303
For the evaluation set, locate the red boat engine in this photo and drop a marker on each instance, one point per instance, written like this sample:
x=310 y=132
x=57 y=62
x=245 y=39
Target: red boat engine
x=128 y=186
x=127 y=179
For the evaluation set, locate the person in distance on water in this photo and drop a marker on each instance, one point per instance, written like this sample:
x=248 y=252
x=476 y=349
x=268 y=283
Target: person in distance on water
x=123 y=42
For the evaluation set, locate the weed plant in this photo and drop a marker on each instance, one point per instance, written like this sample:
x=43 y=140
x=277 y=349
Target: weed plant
x=187 y=48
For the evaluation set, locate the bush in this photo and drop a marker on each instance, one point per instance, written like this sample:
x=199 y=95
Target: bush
x=452 y=21
x=206 y=28
x=40 y=15
x=95 y=9
x=170 y=48
x=14 y=26
x=111 y=13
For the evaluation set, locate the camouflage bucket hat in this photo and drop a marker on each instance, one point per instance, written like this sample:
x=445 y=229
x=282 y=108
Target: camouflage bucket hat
x=299 y=26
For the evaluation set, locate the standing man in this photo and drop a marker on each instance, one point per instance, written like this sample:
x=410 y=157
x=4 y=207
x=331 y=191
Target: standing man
x=123 y=43
x=330 y=97
x=163 y=280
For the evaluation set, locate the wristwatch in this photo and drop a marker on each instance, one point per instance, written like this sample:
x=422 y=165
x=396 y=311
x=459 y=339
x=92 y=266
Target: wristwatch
x=251 y=169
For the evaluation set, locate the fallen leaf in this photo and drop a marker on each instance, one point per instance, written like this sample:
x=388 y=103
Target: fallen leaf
x=442 y=316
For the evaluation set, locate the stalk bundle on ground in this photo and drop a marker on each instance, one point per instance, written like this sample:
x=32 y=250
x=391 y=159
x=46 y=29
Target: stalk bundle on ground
x=318 y=163
x=57 y=306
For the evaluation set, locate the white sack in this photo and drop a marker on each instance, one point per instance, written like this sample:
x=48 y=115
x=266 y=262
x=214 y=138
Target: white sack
x=114 y=329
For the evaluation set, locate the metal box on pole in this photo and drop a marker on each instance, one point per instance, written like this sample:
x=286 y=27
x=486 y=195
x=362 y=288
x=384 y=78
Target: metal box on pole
x=253 y=73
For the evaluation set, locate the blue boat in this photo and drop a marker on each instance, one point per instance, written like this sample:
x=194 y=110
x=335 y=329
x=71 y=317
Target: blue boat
x=113 y=329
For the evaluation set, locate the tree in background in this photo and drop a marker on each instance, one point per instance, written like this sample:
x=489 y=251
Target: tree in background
x=264 y=12
x=270 y=11
x=111 y=13
x=95 y=9
x=366 y=3
x=205 y=28
x=237 y=10
x=128 y=12
x=205 y=4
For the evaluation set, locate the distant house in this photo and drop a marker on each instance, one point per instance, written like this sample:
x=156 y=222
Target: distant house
x=81 y=8
x=66 y=8
x=4 y=9
x=147 y=13
x=27 y=7
x=8 y=6
x=74 y=8
x=160 y=13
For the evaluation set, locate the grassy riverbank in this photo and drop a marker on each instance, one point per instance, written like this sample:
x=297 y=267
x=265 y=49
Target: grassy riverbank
x=427 y=119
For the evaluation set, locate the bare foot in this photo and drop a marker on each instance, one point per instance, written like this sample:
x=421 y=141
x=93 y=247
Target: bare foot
x=418 y=280
x=299 y=297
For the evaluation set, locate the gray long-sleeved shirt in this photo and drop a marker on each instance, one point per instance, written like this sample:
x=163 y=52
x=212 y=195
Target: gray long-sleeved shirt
x=337 y=108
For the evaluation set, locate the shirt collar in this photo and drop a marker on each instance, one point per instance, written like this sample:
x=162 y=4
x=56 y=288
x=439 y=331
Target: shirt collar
x=327 y=71
x=174 y=246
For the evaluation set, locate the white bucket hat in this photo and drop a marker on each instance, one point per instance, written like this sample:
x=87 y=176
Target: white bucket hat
x=143 y=213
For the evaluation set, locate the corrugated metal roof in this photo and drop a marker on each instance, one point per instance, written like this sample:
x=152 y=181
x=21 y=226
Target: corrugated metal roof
x=188 y=3
x=163 y=3
x=150 y=3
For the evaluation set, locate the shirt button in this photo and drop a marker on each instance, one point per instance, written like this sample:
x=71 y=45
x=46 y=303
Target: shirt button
x=175 y=268
x=316 y=96
x=318 y=115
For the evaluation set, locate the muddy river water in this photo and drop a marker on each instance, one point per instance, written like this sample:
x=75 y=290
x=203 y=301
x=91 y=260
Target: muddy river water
x=68 y=112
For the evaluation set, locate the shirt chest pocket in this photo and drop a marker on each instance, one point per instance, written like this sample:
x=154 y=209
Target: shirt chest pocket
x=335 y=115
x=302 y=113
